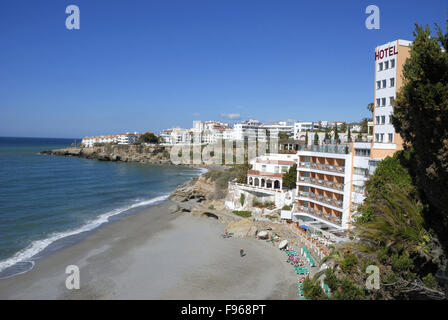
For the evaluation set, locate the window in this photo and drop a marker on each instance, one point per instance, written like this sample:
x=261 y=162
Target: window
x=362 y=152
x=392 y=82
x=361 y=171
x=377 y=119
x=386 y=65
x=377 y=137
x=380 y=66
x=384 y=83
x=381 y=137
x=392 y=63
x=391 y=136
x=378 y=84
x=263 y=168
x=383 y=100
x=358 y=189
x=378 y=103
x=391 y=99
x=383 y=119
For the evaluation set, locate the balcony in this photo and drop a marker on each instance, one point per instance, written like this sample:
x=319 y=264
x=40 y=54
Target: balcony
x=321 y=198
x=326 y=148
x=322 y=166
x=319 y=214
x=322 y=183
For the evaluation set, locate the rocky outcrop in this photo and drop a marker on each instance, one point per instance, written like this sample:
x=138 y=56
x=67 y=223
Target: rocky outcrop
x=198 y=189
x=242 y=228
x=126 y=153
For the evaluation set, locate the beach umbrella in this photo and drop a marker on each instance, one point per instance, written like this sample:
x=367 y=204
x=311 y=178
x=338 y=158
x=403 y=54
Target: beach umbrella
x=283 y=244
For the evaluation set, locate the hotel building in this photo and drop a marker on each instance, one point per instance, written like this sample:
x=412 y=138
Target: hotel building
x=389 y=61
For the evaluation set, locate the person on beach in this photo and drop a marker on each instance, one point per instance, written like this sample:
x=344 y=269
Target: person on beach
x=241 y=252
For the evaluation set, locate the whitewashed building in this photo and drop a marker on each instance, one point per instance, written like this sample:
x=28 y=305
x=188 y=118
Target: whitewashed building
x=128 y=138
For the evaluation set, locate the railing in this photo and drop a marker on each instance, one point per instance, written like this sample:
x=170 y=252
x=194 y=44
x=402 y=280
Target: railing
x=318 y=213
x=321 y=198
x=323 y=183
x=322 y=166
x=326 y=148
x=257 y=187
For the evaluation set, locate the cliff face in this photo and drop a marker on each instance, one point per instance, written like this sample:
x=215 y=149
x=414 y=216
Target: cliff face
x=126 y=153
x=198 y=189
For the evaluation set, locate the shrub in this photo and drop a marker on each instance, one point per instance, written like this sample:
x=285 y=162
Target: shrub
x=312 y=289
x=430 y=281
x=349 y=261
x=244 y=214
x=286 y=207
x=242 y=199
x=402 y=262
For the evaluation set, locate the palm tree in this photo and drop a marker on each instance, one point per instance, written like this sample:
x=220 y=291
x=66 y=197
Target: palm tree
x=397 y=222
x=371 y=107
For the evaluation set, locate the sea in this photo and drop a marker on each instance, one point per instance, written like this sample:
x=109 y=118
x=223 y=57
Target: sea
x=51 y=202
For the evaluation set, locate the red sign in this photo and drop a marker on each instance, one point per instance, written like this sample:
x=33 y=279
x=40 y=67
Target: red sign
x=389 y=52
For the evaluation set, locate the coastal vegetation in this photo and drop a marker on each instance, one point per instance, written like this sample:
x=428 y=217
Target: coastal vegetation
x=401 y=227
x=244 y=214
x=148 y=137
x=290 y=177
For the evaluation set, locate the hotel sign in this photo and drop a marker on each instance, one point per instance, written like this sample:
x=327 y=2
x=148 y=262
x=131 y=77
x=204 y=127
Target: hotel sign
x=389 y=52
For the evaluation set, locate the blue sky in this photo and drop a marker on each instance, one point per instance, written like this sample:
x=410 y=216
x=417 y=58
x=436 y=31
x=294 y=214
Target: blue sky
x=147 y=65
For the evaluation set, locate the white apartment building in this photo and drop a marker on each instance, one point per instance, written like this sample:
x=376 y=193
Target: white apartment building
x=176 y=136
x=90 y=141
x=208 y=132
x=276 y=128
x=267 y=171
x=264 y=182
x=128 y=138
x=324 y=186
x=252 y=129
x=303 y=126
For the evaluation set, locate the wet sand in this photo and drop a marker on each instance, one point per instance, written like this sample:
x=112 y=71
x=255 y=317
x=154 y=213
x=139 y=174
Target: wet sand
x=156 y=254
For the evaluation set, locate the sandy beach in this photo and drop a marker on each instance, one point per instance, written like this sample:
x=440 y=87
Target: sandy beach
x=156 y=254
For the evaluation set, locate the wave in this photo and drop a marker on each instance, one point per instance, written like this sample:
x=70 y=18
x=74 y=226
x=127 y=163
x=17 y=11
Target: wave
x=26 y=254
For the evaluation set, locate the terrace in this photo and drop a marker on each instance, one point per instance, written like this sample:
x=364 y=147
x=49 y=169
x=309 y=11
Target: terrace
x=321 y=198
x=320 y=215
x=322 y=183
x=322 y=166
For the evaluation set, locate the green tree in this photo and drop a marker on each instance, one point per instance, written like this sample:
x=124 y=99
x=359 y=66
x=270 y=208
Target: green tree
x=349 y=136
x=343 y=127
x=336 y=134
x=421 y=117
x=389 y=172
x=364 y=125
x=371 y=107
x=290 y=177
x=316 y=139
x=312 y=289
x=284 y=136
x=148 y=137
x=306 y=138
